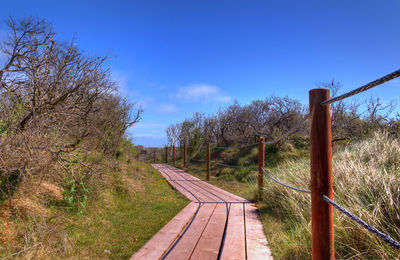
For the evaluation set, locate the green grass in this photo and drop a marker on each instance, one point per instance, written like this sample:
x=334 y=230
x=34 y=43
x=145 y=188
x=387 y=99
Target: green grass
x=110 y=215
x=121 y=219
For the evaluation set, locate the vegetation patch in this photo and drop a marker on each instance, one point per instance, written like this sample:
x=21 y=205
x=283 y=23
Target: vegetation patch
x=365 y=175
x=119 y=222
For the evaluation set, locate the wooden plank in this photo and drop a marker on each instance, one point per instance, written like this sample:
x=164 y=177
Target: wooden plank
x=202 y=240
x=210 y=189
x=184 y=174
x=200 y=190
x=201 y=195
x=163 y=173
x=172 y=171
x=182 y=190
x=172 y=174
x=257 y=245
x=210 y=242
x=158 y=244
x=229 y=196
x=216 y=194
x=187 y=175
x=179 y=187
x=218 y=191
x=235 y=241
x=186 y=245
x=176 y=185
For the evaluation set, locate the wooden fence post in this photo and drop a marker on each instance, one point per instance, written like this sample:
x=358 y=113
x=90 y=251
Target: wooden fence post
x=321 y=176
x=184 y=154
x=173 y=154
x=261 y=164
x=208 y=161
x=166 y=154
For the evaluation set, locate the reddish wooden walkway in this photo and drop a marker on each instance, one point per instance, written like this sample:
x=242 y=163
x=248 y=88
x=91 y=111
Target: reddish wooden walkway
x=215 y=225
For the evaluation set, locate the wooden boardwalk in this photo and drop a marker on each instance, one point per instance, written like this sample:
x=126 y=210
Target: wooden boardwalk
x=215 y=225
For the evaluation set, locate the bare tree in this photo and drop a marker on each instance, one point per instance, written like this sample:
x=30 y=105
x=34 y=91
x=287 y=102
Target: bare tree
x=54 y=99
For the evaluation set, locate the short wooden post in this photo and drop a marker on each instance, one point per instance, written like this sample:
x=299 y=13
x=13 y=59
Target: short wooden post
x=166 y=154
x=154 y=156
x=261 y=165
x=184 y=154
x=208 y=161
x=173 y=154
x=321 y=176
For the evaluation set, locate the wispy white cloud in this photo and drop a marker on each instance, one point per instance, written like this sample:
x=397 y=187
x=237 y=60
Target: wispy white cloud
x=167 y=108
x=149 y=103
x=122 y=81
x=203 y=93
x=148 y=129
x=149 y=125
x=146 y=102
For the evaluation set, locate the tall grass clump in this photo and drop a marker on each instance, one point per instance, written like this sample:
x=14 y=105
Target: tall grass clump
x=365 y=181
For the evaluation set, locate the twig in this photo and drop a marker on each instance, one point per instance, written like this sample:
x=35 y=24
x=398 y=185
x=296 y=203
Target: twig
x=22 y=251
x=82 y=163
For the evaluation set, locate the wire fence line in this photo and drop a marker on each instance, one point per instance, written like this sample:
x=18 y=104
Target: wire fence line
x=227 y=147
x=235 y=166
x=368 y=227
x=283 y=184
x=370 y=85
x=202 y=161
x=361 y=222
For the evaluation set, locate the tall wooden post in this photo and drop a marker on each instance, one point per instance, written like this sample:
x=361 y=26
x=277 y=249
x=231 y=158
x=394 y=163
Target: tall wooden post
x=208 y=161
x=184 y=154
x=166 y=154
x=173 y=154
x=321 y=176
x=261 y=165
x=154 y=157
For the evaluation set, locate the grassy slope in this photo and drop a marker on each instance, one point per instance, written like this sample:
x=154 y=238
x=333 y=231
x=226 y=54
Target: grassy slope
x=121 y=220
x=366 y=181
x=127 y=207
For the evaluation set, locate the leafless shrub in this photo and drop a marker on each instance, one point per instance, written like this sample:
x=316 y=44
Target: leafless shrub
x=53 y=99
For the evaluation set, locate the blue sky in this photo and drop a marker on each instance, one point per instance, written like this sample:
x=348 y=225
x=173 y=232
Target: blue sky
x=174 y=58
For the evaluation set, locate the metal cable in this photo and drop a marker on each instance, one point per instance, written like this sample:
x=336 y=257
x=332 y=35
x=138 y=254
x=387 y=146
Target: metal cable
x=370 y=228
x=370 y=85
x=221 y=147
x=285 y=185
x=234 y=166
x=197 y=160
x=291 y=130
x=227 y=147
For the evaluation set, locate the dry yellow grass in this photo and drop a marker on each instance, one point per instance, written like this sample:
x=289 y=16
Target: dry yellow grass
x=366 y=181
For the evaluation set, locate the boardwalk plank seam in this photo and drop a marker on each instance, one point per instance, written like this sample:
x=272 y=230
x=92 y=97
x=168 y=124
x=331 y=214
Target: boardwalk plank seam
x=201 y=194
